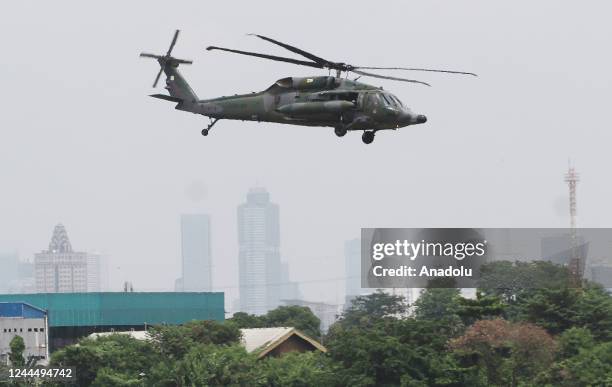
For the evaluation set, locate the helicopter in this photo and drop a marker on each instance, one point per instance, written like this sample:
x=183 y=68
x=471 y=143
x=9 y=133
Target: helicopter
x=324 y=101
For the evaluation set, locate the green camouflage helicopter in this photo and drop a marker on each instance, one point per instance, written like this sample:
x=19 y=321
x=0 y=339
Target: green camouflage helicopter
x=327 y=101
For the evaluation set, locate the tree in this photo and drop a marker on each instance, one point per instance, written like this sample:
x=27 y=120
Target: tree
x=17 y=346
x=172 y=342
x=299 y=317
x=365 y=310
x=438 y=303
x=107 y=377
x=368 y=355
x=483 y=307
x=392 y=351
x=245 y=320
x=509 y=280
x=206 y=365
x=300 y=370
x=574 y=340
x=510 y=353
x=559 y=309
x=124 y=355
x=175 y=341
x=212 y=332
x=590 y=367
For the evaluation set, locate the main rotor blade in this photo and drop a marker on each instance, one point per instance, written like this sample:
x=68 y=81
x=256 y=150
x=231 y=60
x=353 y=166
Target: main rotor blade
x=176 y=34
x=391 y=78
x=319 y=60
x=183 y=61
x=266 y=56
x=415 y=69
x=157 y=77
x=147 y=55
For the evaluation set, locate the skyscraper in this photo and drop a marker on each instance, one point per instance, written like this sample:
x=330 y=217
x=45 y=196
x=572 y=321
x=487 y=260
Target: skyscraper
x=259 y=253
x=60 y=269
x=195 y=253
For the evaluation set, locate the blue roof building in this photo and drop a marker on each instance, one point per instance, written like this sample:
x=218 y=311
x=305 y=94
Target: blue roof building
x=28 y=322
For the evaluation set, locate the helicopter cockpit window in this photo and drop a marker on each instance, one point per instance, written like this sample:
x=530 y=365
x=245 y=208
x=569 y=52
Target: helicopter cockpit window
x=387 y=102
x=396 y=100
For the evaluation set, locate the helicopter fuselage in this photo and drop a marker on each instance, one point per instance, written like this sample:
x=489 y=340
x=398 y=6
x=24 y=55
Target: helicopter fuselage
x=310 y=101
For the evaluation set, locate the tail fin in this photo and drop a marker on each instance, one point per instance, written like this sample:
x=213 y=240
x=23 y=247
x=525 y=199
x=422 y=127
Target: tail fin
x=175 y=83
x=177 y=86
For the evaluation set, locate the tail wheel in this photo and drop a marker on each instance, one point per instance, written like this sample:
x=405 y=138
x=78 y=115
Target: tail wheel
x=367 y=137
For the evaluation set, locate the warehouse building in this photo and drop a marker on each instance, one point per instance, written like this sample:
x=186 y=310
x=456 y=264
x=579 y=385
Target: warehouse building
x=29 y=322
x=74 y=315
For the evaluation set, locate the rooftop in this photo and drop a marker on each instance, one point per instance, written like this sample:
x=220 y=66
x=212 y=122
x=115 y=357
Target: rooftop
x=264 y=340
x=20 y=310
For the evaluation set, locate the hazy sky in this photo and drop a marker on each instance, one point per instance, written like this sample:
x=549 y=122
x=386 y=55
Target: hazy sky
x=81 y=143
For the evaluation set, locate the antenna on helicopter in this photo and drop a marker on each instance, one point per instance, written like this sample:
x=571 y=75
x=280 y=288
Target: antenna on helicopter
x=166 y=60
x=339 y=67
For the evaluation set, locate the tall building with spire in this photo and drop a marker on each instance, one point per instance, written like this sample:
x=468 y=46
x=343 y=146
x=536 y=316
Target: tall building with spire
x=60 y=269
x=259 y=253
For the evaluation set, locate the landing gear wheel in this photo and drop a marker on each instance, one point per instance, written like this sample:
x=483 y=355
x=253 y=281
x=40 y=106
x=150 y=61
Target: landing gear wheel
x=367 y=137
x=340 y=130
x=204 y=132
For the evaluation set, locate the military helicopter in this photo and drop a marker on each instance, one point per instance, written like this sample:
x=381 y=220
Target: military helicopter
x=326 y=101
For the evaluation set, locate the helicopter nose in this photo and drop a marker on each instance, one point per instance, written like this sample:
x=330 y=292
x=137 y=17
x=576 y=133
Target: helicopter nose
x=409 y=118
x=421 y=119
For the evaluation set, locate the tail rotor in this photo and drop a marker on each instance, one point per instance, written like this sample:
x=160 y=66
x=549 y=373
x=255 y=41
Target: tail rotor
x=166 y=60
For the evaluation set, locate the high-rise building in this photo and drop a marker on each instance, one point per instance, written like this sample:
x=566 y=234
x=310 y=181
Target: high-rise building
x=60 y=269
x=259 y=253
x=195 y=253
